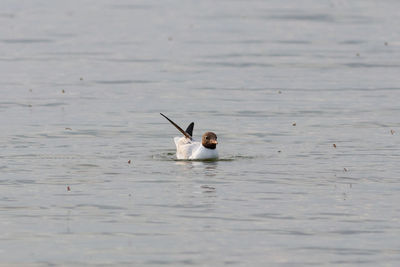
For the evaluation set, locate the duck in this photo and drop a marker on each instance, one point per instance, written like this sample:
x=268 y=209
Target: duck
x=189 y=149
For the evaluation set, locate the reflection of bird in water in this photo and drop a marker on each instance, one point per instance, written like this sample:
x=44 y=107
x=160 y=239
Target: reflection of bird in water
x=186 y=148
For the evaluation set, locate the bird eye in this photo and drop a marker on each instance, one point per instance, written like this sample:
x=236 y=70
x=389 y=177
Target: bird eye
x=206 y=137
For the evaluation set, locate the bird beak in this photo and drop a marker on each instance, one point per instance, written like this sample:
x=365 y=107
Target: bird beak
x=214 y=142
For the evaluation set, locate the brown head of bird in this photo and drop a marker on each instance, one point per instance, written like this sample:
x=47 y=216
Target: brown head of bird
x=209 y=140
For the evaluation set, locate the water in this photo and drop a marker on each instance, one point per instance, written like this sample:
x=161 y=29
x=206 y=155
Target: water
x=83 y=82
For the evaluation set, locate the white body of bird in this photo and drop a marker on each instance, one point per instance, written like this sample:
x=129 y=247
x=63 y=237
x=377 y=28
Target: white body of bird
x=191 y=150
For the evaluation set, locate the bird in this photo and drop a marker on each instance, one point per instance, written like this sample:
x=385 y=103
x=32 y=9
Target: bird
x=188 y=149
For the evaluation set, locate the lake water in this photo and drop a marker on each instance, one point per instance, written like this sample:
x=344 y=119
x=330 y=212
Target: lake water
x=303 y=95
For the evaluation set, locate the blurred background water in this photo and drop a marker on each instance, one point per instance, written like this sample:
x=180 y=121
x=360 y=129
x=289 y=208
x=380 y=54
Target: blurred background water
x=303 y=95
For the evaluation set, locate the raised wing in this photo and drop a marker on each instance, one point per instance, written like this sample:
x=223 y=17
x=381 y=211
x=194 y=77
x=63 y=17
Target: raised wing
x=179 y=128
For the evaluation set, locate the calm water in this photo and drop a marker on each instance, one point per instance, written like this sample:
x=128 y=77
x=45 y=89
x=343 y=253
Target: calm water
x=83 y=82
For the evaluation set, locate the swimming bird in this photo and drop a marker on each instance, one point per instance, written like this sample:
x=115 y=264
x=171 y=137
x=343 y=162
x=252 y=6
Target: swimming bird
x=187 y=148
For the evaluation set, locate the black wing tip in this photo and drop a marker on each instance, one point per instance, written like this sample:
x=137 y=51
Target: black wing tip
x=165 y=116
x=189 y=129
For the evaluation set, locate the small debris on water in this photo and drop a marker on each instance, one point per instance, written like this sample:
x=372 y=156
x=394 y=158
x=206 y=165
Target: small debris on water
x=129 y=161
x=67 y=128
x=344 y=169
x=68 y=188
x=208 y=187
x=294 y=124
x=358 y=54
x=334 y=145
x=386 y=43
x=392 y=132
x=279 y=92
x=279 y=151
x=81 y=78
x=63 y=91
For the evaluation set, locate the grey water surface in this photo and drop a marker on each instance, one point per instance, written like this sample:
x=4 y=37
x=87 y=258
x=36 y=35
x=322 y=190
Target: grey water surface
x=303 y=95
